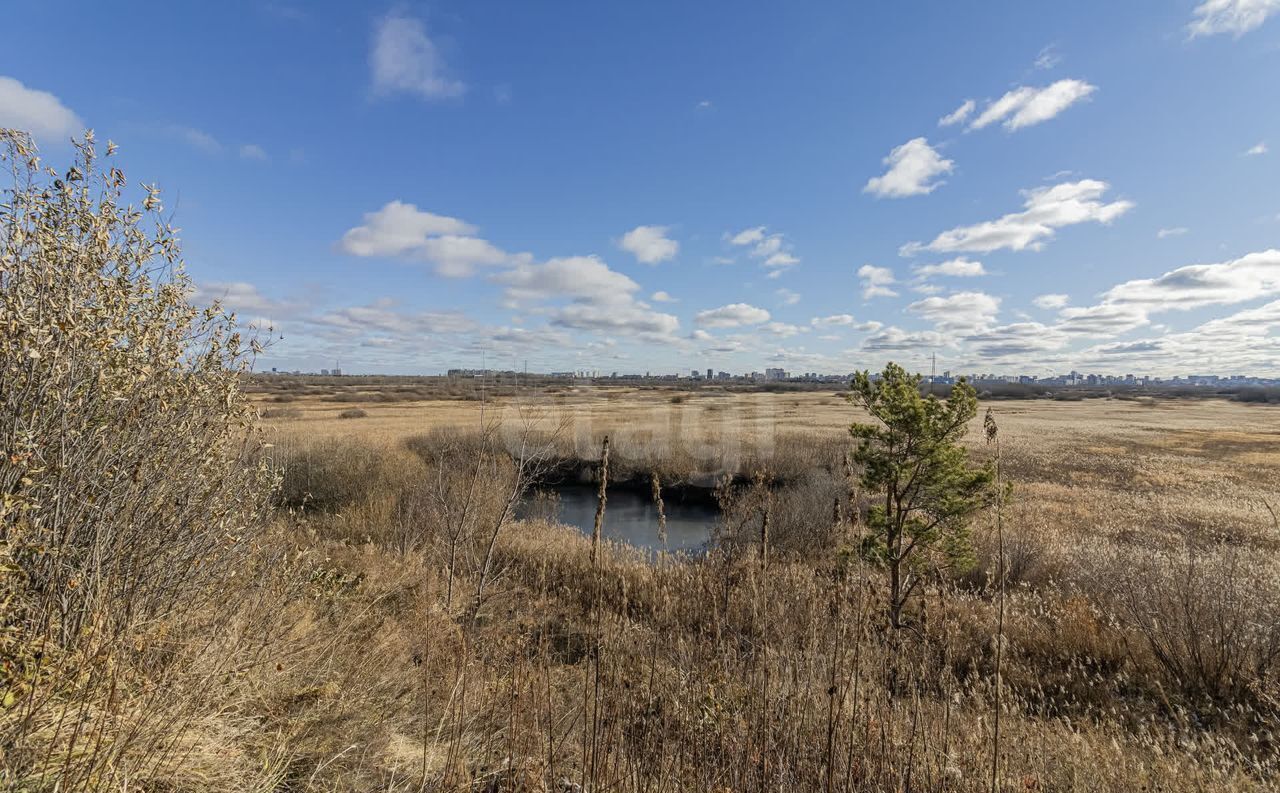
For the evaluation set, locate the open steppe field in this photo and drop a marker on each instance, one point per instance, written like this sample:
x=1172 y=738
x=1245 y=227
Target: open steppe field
x=1136 y=471
x=395 y=607
x=1140 y=633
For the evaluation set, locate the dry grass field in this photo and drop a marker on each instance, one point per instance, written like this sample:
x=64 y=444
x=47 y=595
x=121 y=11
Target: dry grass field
x=1142 y=631
x=1117 y=469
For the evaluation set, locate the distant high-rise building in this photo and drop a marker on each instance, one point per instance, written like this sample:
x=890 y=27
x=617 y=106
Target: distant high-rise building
x=711 y=375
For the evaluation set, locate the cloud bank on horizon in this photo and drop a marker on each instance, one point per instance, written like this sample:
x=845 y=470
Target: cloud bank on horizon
x=558 y=207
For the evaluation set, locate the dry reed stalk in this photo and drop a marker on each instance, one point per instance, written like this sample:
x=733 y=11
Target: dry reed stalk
x=765 y=494
x=662 y=512
x=992 y=433
x=602 y=496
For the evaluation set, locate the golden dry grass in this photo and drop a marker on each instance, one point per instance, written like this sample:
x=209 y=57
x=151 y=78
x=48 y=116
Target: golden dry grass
x=714 y=674
x=1105 y=467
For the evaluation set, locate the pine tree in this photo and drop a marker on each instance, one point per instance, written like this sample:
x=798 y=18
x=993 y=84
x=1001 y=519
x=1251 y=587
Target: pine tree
x=924 y=489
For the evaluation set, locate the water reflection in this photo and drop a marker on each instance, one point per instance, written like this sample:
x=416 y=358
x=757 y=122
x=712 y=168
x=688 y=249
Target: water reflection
x=630 y=516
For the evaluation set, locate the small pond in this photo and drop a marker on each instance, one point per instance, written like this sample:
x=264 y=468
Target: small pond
x=630 y=516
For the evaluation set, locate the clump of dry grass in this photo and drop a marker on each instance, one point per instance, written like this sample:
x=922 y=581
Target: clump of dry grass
x=329 y=476
x=353 y=413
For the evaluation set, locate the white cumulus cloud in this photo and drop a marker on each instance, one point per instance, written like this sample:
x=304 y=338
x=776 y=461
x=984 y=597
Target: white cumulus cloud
x=1026 y=106
x=38 y=112
x=1236 y=17
x=893 y=339
x=747 y=236
x=772 y=250
x=734 y=315
x=397 y=228
x=1047 y=209
x=585 y=278
x=404 y=59
x=914 y=168
x=400 y=229
x=959 y=267
x=1129 y=305
x=1051 y=301
x=649 y=244
x=1195 y=285
x=959 y=115
x=876 y=281
x=598 y=298
x=1018 y=339
x=834 y=319
x=962 y=310
x=783 y=329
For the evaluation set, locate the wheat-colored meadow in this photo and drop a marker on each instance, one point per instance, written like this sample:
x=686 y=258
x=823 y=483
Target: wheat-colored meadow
x=1142 y=560
x=1123 y=470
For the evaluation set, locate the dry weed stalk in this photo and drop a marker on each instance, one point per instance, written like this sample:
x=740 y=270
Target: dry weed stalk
x=992 y=433
x=661 y=507
x=602 y=497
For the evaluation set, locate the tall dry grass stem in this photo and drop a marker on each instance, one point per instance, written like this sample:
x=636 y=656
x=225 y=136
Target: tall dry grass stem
x=992 y=433
x=602 y=497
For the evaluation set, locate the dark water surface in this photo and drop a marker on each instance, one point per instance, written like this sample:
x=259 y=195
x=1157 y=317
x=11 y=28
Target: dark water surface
x=631 y=517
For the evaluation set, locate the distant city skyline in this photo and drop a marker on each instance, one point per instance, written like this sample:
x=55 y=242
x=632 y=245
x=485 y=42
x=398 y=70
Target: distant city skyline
x=415 y=186
x=773 y=374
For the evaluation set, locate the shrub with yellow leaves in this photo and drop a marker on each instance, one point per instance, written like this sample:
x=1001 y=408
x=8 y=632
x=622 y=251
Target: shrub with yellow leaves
x=132 y=479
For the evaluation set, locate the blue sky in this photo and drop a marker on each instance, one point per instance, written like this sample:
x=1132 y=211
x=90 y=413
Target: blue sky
x=664 y=186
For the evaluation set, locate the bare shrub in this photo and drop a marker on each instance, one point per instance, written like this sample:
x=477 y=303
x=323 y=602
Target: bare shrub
x=281 y=413
x=1206 y=615
x=363 y=396
x=127 y=501
x=1028 y=558
x=459 y=499
x=330 y=475
x=801 y=514
x=353 y=413
x=474 y=481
